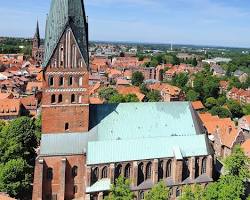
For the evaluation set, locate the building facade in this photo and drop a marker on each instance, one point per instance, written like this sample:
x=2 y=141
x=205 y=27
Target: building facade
x=85 y=148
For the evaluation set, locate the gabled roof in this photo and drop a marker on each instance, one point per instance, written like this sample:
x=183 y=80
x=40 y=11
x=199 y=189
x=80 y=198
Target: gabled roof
x=63 y=14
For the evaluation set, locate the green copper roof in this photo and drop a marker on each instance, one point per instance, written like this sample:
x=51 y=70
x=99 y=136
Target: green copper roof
x=148 y=148
x=63 y=14
x=101 y=185
x=143 y=120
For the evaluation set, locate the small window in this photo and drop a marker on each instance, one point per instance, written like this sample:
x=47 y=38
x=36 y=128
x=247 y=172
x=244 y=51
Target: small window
x=53 y=98
x=70 y=80
x=204 y=166
x=73 y=98
x=105 y=172
x=75 y=189
x=51 y=81
x=61 y=80
x=80 y=81
x=49 y=174
x=74 y=171
x=60 y=98
x=66 y=126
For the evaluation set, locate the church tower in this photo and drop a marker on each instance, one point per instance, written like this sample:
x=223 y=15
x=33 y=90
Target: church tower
x=65 y=106
x=36 y=38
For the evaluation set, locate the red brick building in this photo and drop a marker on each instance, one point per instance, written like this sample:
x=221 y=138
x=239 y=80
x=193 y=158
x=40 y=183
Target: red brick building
x=85 y=147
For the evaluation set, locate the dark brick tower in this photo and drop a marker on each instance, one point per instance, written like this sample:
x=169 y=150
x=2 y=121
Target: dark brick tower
x=37 y=48
x=65 y=86
x=36 y=38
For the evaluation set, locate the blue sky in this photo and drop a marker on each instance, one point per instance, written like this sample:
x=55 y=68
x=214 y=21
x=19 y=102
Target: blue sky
x=210 y=22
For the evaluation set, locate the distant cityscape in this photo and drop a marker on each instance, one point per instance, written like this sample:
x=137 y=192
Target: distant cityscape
x=121 y=120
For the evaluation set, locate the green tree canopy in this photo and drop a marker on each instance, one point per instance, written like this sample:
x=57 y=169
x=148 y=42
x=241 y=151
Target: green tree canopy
x=235 y=108
x=107 y=93
x=153 y=96
x=137 y=78
x=192 y=95
x=238 y=164
x=221 y=112
x=180 y=80
x=159 y=192
x=210 y=102
x=16 y=178
x=120 y=190
x=195 y=192
x=18 y=140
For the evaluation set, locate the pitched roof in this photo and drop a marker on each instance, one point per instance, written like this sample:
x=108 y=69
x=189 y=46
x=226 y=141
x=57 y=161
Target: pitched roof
x=246 y=147
x=63 y=14
x=146 y=148
x=5 y=197
x=125 y=90
x=10 y=107
x=197 y=105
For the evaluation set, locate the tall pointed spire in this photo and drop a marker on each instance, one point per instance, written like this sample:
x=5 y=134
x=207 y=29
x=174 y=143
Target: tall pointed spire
x=37 y=33
x=64 y=14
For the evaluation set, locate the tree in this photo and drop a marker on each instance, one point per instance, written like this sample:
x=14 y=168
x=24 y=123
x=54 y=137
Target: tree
x=230 y=187
x=19 y=141
x=116 y=98
x=159 y=192
x=195 y=192
x=211 y=192
x=16 y=179
x=194 y=62
x=131 y=98
x=192 y=95
x=38 y=130
x=210 y=102
x=153 y=96
x=107 y=93
x=222 y=100
x=246 y=109
x=137 y=78
x=221 y=112
x=235 y=108
x=237 y=164
x=120 y=190
x=180 y=80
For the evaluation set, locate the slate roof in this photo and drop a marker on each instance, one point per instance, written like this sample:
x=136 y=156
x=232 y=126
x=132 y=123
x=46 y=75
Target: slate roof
x=63 y=14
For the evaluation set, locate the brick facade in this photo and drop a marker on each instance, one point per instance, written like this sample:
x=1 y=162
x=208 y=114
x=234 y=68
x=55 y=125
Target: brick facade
x=65 y=89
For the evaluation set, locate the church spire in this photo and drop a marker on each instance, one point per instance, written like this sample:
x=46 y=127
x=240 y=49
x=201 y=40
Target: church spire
x=37 y=33
x=66 y=14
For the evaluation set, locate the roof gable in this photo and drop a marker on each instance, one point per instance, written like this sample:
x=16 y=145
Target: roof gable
x=62 y=14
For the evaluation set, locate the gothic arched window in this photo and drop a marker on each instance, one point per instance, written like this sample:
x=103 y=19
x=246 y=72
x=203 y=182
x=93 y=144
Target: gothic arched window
x=127 y=171
x=95 y=175
x=70 y=81
x=105 y=172
x=204 y=166
x=61 y=81
x=149 y=170
x=51 y=81
x=169 y=169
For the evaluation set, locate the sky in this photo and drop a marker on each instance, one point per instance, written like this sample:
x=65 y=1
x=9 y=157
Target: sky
x=199 y=22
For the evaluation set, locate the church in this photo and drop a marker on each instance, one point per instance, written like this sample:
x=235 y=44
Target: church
x=85 y=148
